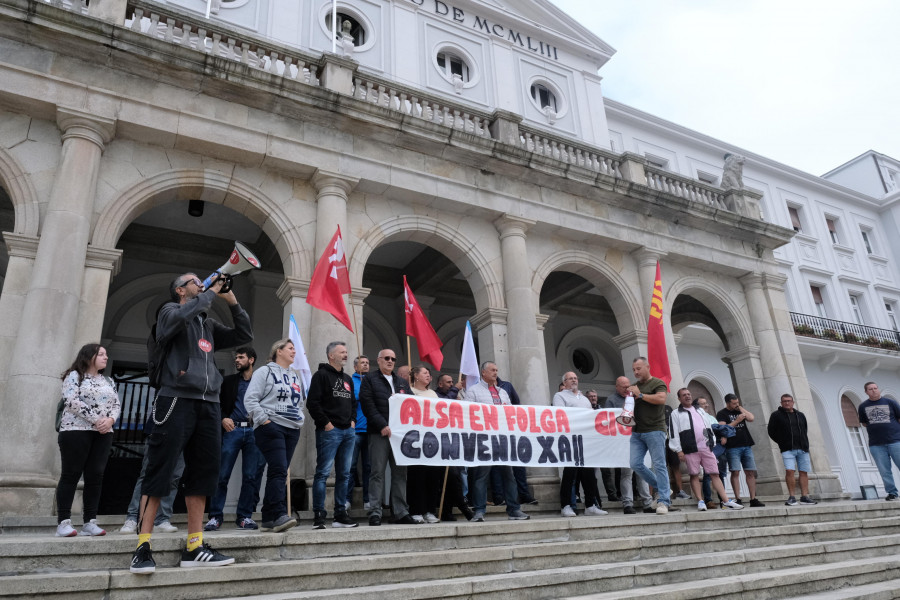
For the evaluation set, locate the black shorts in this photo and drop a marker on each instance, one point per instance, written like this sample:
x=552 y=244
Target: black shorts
x=194 y=428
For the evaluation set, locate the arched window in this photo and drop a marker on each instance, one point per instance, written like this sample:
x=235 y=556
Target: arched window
x=356 y=29
x=451 y=64
x=857 y=437
x=544 y=97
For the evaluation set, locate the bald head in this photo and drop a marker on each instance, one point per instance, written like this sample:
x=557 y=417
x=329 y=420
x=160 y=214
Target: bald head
x=622 y=384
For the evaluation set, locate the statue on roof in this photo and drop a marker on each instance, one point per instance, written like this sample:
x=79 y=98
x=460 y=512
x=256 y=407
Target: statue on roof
x=733 y=172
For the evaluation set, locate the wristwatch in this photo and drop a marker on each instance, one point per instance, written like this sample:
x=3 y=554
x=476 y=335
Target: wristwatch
x=640 y=396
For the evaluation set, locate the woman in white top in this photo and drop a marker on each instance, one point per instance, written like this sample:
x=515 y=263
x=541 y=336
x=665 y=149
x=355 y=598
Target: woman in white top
x=85 y=437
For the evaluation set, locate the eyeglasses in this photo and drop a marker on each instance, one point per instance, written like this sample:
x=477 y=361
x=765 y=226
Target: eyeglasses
x=196 y=281
x=389 y=358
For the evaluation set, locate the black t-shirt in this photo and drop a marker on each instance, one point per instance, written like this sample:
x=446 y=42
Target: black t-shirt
x=742 y=435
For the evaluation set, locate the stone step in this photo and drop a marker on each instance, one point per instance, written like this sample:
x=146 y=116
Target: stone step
x=624 y=582
x=881 y=590
x=754 y=527
x=646 y=560
x=731 y=530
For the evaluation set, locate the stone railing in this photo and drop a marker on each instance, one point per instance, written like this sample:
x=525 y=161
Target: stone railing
x=187 y=30
x=568 y=151
x=410 y=101
x=684 y=187
x=190 y=30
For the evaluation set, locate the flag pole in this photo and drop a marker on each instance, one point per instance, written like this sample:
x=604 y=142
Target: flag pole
x=444 y=487
x=288 y=477
x=408 y=353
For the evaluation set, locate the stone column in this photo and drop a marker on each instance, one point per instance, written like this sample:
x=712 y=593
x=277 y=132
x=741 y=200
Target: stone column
x=782 y=370
x=632 y=344
x=357 y=343
x=102 y=265
x=331 y=212
x=490 y=327
x=292 y=294
x=527 y=370
x=49 y=320
x=22 y=250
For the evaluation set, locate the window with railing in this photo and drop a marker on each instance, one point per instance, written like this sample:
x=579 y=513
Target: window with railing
x=891 y=314
x=818 y=300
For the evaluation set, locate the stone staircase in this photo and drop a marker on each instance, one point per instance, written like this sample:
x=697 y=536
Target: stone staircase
x=832 y=550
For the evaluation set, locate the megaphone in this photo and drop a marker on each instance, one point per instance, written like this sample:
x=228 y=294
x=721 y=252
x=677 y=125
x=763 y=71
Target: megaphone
x=241 y=260
x=627 y=416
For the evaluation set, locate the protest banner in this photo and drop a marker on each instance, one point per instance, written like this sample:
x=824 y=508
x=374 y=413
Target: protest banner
x=441 y=432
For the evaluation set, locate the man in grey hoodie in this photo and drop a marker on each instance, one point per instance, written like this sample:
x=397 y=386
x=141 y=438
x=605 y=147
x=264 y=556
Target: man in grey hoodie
x=186 y=413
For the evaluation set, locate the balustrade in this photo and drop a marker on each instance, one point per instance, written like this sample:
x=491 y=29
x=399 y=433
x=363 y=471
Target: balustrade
x=684 y=187
x=840 y=331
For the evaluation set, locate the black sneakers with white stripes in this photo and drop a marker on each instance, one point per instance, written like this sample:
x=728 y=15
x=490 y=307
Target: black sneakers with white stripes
x=204 y=556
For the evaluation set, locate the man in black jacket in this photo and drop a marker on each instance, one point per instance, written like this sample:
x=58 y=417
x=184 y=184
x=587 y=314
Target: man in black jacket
x=332 y=406
x=237 y=437
x=376 y=389
x=787 y=428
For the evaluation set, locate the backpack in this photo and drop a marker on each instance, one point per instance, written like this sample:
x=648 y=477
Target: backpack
x=156 y=354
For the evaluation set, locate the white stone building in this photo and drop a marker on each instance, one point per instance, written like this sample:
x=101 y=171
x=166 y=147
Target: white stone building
x=464 y=144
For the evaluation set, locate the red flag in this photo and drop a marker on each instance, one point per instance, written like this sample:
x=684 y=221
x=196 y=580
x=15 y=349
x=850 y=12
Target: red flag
x=657 y=355
x=330 y=280
x=417 y=326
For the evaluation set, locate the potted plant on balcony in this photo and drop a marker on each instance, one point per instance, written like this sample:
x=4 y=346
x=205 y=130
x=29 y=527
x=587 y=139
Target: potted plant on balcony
x=872 y=341
x=851 y=338
x=889 y=345
x=831 y=334
x=803 y=330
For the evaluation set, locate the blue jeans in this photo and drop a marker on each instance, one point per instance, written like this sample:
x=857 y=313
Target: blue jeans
x=480 y=476
x=276 y=442
x=653 y=442
x=239 y=439
x=360 y=451
x=334 y=447
x=883 y=455
x=165 y=503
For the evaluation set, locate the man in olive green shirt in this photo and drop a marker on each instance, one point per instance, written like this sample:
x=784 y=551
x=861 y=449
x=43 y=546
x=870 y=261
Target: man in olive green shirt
x=649 y=431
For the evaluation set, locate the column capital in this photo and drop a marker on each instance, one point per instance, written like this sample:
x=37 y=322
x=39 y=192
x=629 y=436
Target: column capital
x=774 y=281
x=738 y=354
x=752 y=280
x=109 y=259
x=21 y=245
x=647 y=257
x=358 y=295
x=292 y=287
x=336 y=183
x=541 y=320
x=489 y=316
x=631 y=338
x=75 y=123
x=509 y=225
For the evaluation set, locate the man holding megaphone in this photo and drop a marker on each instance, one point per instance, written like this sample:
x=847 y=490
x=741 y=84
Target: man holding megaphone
x=186 y=414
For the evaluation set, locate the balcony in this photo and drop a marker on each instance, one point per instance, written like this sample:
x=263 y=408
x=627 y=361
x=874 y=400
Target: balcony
x=848 y=333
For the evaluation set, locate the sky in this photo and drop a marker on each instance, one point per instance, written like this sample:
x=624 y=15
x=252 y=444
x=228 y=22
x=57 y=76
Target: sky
x=810 y=84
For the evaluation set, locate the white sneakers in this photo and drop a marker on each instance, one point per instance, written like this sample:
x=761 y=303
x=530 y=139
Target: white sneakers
x=595 y=511
x=65 y=529
x=701 y=505
x=165 y=527
x=430 y=518
x=733 y=505
x=662 y=509
x=90 y=528
x=418 y=518
x=130 y=526
x=567 y=511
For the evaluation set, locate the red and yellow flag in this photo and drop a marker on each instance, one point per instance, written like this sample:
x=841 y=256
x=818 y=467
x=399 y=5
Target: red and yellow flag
x=656 y=336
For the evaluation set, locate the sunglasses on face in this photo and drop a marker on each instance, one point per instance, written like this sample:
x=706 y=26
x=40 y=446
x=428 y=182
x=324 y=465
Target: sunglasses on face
x=388 y=358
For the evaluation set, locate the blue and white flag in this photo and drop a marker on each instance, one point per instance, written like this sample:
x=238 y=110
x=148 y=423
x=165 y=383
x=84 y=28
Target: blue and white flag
x=300 y=364
x=468 y=362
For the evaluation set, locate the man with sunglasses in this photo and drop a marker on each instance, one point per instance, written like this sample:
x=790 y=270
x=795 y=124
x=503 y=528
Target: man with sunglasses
x=374 y=393
x=186 y=413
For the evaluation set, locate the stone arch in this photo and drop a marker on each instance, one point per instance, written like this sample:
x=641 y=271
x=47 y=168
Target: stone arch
x=710 y=382
x=21 y=191
x=734 y=323
x=210 y=186
x=625 y=305
x=462 y=251
x=385 y=336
